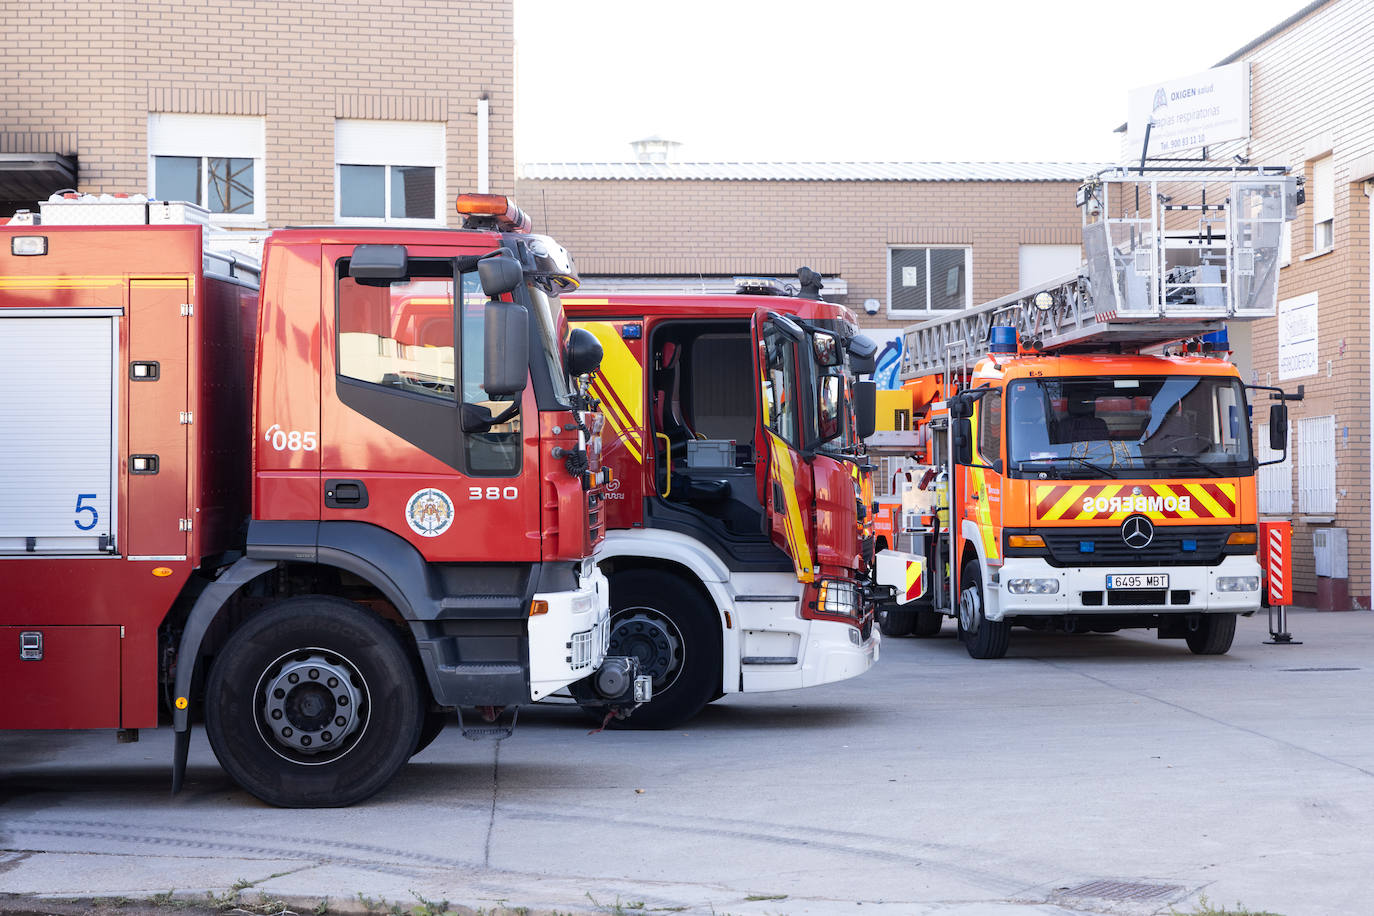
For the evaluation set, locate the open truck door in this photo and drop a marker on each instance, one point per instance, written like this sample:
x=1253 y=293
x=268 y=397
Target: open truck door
x=782 y=437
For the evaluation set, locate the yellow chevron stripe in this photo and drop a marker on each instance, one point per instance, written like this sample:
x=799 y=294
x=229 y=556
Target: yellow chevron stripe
x=626 y=436
x=793 y=527
x=1204 y=498
x=1071 y=498
x=620 y=375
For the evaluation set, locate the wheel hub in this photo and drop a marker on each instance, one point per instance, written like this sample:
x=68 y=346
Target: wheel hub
x=312 y=703
x=970 y=611
x=651 y=638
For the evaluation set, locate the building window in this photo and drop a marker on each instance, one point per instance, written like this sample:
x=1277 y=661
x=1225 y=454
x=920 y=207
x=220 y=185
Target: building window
x=389 y=172
x=1317 y=465
x=1323 y=205
x=1276 y=480
x=923 y=280
x=1042 y=263
x=214 y=161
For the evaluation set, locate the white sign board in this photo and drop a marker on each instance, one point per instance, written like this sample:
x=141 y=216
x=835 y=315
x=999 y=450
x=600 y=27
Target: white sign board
x=1201 y=110
x=1298 y=336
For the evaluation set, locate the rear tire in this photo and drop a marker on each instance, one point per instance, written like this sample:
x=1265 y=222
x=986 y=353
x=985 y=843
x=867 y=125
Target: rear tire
x=928 y=624
x=982 y=637
x=313 y=703
x=1214 y=635
x=896 y=622
x=662 y=620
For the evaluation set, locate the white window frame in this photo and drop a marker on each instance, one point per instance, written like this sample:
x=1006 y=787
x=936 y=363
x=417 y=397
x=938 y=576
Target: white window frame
x=1323 y=204
x=1275 y=480
x=929 y=312
x=1317 y=465
x=393 y=144
x=207 y=137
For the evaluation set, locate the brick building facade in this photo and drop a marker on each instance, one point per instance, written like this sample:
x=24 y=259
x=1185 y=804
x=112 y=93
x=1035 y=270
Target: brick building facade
x=119 y=96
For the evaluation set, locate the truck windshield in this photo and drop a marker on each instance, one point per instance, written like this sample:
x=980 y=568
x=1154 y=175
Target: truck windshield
x=1146 y=426
x=553 y=333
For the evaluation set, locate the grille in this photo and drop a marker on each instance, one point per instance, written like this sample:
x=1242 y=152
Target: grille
x=582 y=648
x=1137 y=597
x=1110 y=550
x=1122 y=890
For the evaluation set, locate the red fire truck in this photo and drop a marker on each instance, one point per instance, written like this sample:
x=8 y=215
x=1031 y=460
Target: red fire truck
x=328 y=607
x=734 y=516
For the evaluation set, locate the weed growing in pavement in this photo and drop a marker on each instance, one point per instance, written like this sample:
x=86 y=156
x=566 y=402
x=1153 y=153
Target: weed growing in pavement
x=619 y=908
x=320 y=908
x=1205 y=908
x=753 y=897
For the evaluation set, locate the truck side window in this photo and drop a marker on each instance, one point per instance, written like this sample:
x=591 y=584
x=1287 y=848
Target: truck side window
x=990 y=427
x=495 y=450
x=780 y=385
x=399 y=334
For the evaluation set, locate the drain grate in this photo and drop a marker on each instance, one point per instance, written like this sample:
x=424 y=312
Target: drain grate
x=1121 y=890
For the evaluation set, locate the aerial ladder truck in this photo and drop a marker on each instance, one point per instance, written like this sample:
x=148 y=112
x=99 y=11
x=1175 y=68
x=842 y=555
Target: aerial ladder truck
x=1083 y=457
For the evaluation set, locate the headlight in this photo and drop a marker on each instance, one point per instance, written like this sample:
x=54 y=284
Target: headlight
x=1033 y=586
x=582 y=603
x=1238 y=583
x=839 y=598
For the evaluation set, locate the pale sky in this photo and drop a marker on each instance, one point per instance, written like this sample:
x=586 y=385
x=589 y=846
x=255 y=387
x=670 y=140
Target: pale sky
x=856 y=80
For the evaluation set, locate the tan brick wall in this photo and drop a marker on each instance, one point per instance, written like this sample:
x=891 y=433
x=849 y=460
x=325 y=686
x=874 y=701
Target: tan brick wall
x=685 y=228
x=90 y=73
x=1312 y=94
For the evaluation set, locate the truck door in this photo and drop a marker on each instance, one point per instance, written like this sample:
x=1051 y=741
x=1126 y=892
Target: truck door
x=786 y=421
x=408 y=440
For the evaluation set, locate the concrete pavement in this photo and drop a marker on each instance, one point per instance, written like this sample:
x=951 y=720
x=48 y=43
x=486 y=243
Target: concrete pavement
x=1082 y=774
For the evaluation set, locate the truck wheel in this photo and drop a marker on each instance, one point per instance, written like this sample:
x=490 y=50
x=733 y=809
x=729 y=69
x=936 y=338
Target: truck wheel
x=896 y=622
x=661 y=620
x=434 y=723
x=313 y=703
x=928 y=623
x=1213 y=635
x=982 y=637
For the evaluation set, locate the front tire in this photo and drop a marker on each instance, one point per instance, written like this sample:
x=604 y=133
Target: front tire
x=928 y=624
x=313 y=703
x=982 y=637
x=1214 y=635
x=896 y=622
x=662 y=620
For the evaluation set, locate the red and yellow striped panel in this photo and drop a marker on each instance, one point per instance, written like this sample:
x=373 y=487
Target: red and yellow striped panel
x=1111 y=502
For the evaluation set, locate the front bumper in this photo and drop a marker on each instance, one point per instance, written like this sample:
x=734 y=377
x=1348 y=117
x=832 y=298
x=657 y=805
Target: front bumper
x=568 y=642
x=806 y=653
x=1199 y=582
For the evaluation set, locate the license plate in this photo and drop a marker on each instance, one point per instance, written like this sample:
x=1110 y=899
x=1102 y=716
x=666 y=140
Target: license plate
x=1160 y=580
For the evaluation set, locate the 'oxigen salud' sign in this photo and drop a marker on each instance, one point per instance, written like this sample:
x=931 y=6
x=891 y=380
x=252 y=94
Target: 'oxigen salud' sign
x=1195 y=111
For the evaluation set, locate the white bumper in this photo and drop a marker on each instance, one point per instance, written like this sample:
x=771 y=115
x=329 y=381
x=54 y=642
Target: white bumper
x=1199 y=581
x=791 y=653
x=568 y=642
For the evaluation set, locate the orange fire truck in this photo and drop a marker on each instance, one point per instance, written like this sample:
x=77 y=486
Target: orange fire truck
x=1084 y=449
x=325 y=606
x=739 y=541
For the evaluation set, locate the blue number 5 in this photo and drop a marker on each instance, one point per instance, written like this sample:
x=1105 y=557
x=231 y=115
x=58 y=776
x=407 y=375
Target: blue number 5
x=95 y=516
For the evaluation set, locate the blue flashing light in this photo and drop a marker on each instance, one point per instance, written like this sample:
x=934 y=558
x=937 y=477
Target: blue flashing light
x=1086 y=546
x=1001 y=340
x=1190 y=544
x=631 y=331
x=1217 y=341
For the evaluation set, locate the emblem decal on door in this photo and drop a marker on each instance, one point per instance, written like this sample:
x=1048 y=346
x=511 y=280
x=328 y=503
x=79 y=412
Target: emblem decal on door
x=429 y=512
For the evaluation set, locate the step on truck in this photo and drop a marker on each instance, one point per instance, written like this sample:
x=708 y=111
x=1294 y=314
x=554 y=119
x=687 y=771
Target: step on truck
x=324 y=505
x=1084 y=449
x=738 y=538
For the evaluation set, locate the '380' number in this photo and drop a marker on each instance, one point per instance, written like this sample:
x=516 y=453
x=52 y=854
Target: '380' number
x=493 y=493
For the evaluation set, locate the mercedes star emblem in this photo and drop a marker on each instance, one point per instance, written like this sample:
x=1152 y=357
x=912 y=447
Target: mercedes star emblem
x=1137 y=531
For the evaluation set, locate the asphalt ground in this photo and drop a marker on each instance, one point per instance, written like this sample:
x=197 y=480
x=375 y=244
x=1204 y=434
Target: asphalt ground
x=1081 y=774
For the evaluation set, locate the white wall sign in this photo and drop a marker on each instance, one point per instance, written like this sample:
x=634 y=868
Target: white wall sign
x=1200 y=110
x=1298 y=336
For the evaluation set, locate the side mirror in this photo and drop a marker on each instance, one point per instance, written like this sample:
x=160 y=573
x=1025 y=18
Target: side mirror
x=1278 y=427
x=499 y=275
x=506 y=347
x=963 y=441
x=863 y=355
x=830 y=412
x=866 y=407
x=960 y=407
x=583 y=352
x=827 y=347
